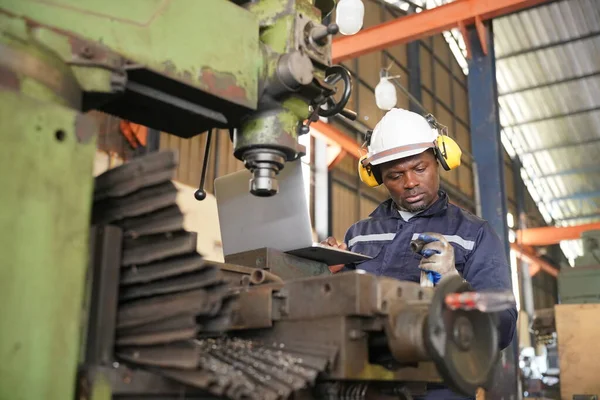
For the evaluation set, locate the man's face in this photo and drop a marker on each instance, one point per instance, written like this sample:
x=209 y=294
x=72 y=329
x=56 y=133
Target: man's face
x=413 y=182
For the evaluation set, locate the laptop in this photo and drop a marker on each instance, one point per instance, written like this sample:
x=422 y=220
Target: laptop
x=280 y=222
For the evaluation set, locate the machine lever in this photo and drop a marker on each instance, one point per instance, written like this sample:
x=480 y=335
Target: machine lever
x=320 y=33
x=200 y=194
x=351 y=115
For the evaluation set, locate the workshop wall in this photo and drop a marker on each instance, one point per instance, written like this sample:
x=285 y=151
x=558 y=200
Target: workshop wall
x=443 y=93
x=191 y=155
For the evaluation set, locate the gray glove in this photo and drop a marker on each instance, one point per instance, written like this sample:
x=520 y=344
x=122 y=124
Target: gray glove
x=438 y=258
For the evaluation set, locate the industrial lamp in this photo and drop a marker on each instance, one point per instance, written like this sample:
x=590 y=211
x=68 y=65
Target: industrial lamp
x=349 y=16
x=385 y=91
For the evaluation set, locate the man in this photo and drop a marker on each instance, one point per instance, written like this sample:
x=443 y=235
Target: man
x=402 y=156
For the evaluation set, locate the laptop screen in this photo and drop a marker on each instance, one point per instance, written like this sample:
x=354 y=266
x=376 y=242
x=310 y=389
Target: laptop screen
x=247 y=222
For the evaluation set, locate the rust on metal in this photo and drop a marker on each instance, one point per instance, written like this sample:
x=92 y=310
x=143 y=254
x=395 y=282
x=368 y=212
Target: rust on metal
x=9 y=79
x=254 y=309
x=223 y=85
x=169 y=67
x=88 y=53
x=60 y=81
x=463 y=31
x=482 y=33
x=220 y=84
x=281 y=264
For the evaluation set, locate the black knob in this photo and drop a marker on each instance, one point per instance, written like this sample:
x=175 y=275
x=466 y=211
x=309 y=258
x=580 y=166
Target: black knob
x=200 y=194
x=333 y=29
x=320 y=33
x=303 y=129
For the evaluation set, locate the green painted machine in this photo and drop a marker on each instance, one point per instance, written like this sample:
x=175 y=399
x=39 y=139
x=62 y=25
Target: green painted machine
x=185 y=66
x=580 y=285
x=260 y=68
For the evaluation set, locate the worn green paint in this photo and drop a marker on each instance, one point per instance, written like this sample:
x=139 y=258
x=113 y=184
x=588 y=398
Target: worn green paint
x=298 y=106
x=307 y=8
x=279 y=36
x=278 y=21
x=277 y=127
x=101 y=389
x=90 y=79
x=93 y=79
x=267 y=11
x=17 y=37
x=44 y=222
x=167 y=36
x=278 y=17
x=265 y=126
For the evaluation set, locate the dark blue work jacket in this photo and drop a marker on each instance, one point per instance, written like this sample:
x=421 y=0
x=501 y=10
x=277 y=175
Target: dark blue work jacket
x=478 y=252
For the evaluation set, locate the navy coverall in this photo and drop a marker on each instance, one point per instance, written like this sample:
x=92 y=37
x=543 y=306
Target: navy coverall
x=479 y=254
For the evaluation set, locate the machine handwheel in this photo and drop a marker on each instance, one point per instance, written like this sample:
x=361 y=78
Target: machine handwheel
x=333 y=75
x=463 y=344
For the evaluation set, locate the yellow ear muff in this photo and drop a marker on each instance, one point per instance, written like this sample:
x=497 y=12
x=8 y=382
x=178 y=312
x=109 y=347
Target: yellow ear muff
x=366 y=173
x=448 y=152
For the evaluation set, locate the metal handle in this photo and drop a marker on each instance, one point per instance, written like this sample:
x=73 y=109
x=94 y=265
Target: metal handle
x=200 y=194
x=351 y=115
x=320 y=33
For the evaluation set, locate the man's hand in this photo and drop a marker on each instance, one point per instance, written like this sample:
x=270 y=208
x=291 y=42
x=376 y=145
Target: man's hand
x=438 y=256
x=332 y=242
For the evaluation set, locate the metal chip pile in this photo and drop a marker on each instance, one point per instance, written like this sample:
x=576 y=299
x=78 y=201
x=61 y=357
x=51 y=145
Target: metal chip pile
x=235 y=368
x=173 y=305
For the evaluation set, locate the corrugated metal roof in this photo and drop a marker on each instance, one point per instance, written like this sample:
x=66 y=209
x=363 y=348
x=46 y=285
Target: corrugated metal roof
x=548 y=73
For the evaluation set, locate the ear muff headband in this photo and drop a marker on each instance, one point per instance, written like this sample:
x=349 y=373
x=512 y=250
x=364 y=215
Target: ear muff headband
x=447 y=151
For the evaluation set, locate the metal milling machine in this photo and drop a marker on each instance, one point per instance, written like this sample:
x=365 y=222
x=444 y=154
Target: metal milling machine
x=128 y=309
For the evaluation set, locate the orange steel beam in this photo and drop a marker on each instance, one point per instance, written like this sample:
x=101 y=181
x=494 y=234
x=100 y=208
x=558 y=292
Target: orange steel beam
x=334 y=136
x=427 y=23
x=553 y=234
x=335 y=156
x=535 y=263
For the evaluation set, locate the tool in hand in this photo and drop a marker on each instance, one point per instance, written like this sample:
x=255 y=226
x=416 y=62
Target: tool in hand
x=427 y=277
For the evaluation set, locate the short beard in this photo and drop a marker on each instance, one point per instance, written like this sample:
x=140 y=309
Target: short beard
x=412 y=209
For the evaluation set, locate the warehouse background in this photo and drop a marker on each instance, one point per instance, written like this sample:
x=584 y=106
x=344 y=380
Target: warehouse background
x=343 y=199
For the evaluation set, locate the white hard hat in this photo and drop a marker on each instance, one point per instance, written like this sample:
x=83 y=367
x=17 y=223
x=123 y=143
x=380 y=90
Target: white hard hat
x=400 y=133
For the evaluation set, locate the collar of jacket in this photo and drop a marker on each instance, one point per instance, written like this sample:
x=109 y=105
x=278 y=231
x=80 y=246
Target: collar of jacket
x=389 y=209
